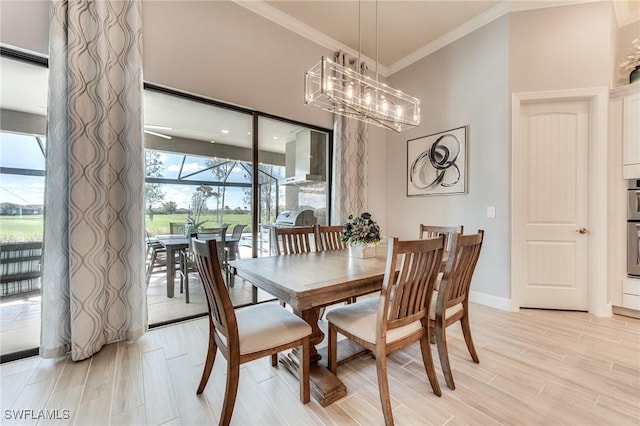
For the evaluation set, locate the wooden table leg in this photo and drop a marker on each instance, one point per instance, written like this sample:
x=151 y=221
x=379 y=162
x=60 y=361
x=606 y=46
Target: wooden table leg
x=171 y=271
x=326 y=388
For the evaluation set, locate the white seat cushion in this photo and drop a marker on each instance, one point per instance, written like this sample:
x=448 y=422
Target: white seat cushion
x=266 y=326
x=360 y=319
x=450 y=311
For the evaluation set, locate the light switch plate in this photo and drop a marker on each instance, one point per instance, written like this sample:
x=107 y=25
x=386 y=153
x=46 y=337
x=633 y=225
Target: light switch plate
x=491 y=212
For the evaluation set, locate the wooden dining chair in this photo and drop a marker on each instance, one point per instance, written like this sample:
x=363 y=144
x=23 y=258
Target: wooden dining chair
x=329 y=238
x=450 y=303
x=187 y=265
x=246 y=334
x=396 y=319
x=432 y=231
x=294 y=240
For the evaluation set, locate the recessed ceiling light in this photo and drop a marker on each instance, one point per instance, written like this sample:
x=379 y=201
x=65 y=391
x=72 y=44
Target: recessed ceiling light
x=225 y=131
x=212 y=141
x=275 y=138
x=157 y=134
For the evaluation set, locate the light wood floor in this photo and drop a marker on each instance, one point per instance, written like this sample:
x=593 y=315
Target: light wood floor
x=20 y=314
x=536 y=368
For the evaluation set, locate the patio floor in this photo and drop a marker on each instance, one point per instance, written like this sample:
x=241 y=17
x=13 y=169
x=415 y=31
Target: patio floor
x=20 y=314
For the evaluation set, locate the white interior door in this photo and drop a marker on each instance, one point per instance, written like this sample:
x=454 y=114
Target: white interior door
x=550 y=194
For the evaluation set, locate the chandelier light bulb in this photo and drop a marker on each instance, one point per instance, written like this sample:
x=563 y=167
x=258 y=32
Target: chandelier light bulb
x=341 y=90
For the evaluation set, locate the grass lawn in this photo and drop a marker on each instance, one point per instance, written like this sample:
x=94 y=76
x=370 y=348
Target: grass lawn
x=29 y=228
x=20 y=228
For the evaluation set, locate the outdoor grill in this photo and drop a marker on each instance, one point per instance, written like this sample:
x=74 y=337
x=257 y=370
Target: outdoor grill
x=286 y=219
x=289 y=219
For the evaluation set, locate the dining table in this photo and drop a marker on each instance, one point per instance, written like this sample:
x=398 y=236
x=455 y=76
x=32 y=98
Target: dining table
x=173 y=244
x=308 y=282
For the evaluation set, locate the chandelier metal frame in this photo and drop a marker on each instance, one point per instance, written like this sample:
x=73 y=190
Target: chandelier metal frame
x=333 y=87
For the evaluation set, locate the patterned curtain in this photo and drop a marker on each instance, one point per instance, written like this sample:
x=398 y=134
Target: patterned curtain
x=350 y=160
x=93 y=270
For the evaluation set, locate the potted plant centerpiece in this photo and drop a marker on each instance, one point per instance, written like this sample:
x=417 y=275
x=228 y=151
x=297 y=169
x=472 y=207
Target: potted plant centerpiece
x=362 y=234
x=192 y=225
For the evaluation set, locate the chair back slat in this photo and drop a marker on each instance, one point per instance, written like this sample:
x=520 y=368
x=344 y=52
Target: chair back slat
x=293 y=240
x=406 y=295
x=221 y=312
x=431 y=231
x=330 y=237
x=237 y=231
x=460 y=267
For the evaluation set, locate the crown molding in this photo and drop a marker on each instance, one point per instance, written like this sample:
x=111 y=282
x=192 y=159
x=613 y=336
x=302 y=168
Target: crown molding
x=287 y=21
x=468 y=27
x=624 y=14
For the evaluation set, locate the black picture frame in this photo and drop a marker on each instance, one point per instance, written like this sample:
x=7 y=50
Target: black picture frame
x=437 y=163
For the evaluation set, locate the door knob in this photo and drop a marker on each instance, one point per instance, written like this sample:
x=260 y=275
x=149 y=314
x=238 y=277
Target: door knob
x=582 y=230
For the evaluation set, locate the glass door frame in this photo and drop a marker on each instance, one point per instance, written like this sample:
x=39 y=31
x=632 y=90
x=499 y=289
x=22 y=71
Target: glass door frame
x=256 y=115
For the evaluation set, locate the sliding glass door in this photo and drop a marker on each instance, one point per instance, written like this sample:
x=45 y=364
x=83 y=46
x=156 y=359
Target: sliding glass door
x=200 y=170
x=198 y=176
x=23 y=118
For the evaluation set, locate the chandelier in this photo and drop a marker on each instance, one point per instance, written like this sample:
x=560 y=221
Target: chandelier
x=333 y=87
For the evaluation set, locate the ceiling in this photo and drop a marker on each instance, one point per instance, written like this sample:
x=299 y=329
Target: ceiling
x=403 y=26
x=407 y=31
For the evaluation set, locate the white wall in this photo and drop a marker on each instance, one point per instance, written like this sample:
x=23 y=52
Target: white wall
x=25 y=24
x=561 y=48
x=465 y=83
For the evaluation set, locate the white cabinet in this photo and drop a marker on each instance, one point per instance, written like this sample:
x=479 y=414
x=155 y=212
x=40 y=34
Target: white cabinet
x=631 y=136
x=631 y=294
x=625 y=116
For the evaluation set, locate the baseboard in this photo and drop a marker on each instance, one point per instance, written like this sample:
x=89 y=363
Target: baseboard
x=626 y=312
x=492 y=301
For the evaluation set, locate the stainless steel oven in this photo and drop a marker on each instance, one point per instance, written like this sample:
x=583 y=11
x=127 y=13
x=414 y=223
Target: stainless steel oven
x=633 y=250
x=633 y=212
x=633 y=229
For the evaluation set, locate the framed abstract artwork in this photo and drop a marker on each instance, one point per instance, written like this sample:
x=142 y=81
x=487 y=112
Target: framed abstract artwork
x=437 y=164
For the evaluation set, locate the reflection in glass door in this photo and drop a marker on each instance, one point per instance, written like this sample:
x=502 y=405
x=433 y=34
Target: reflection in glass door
x=294 y=161
x=198 y=177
